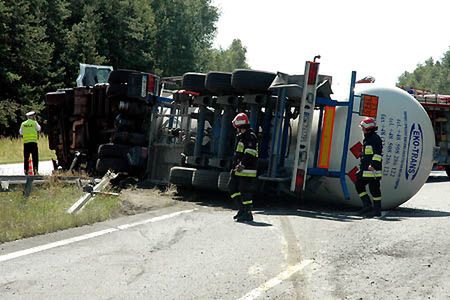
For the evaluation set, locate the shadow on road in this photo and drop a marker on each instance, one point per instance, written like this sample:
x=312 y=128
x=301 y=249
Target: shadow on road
x=437 y=179
x=339 y=216
x=316 y=210
x=401 y=213
x=257 y=224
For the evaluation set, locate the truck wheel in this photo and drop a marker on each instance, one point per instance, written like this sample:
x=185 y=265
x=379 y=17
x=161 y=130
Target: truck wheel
x=205 y=179
x=133 y=108
x=129 y=138
x=222 y=182
x=113 y=151
x=117 y=90
x=114 y=164
x=447 y=170
x=137 y=139
x=120 y=76
x=189 y=147
x=137 y=157
x=219 y=83
x=120 y=137
x=250 y=81
x=123 y=123
x=181 y=176
x=194 y=82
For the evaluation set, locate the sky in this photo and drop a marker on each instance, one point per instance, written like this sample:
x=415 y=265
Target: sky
x=379 y=38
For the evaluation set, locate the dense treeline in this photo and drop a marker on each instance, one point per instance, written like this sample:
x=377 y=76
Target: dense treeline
x=431 y=76
x=42 y=43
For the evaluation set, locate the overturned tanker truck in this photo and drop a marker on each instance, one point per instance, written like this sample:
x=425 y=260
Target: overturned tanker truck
x=130 y=122
x=309 y=143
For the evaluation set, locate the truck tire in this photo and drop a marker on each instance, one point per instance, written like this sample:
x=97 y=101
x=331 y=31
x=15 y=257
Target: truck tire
x=251 y=81
x=219 y=83
x=133 y=108
x=114 y=164
x=120 y=76
x=447 y=170
x=189 y=147
x=194 y=82
x=129 y=138
x=222 y=182
x=205 y=179
x=123 y=123
x=137 y=139
x=181 y=176
x=117 y=90
x=120 y=137
x=113 y=151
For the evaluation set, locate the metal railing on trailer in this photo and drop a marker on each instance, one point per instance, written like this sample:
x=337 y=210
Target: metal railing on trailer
x=307 y=105
x=169 y=127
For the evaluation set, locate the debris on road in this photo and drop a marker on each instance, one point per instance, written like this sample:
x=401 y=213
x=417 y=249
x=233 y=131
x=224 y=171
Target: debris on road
x=78 y=206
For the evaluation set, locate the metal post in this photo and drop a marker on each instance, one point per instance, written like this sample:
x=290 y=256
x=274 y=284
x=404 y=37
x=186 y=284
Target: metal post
x=285 y=137
x=276 y=136
x=319 y=133
x=224 y=130
x=266 y=131
x=254 y=109
x=200 y=131
x=153 y=119
x=216 y=130
x=172 y=112
x=347 y=136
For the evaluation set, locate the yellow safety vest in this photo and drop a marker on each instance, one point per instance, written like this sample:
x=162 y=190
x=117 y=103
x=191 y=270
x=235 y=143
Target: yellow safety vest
x=29 y=132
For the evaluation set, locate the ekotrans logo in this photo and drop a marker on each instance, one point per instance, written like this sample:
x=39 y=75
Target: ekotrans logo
x=415 y=151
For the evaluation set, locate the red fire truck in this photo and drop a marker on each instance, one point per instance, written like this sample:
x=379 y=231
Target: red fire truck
x=438 y=109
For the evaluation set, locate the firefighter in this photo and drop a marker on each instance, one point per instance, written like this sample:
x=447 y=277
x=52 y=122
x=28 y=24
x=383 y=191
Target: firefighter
x=29 y=130
x=243 y=180
x=370 y=169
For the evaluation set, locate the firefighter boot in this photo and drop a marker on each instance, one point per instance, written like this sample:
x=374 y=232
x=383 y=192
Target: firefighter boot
x=367 y=205
x=247 y=216
x=377 y=208
x=240 y=206
x=239 y=214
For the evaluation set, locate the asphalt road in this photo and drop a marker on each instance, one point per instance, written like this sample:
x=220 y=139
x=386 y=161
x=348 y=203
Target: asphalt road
x=193 y=250
x=45 y=168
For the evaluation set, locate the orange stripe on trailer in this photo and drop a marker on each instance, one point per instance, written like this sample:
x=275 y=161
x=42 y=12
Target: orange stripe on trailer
x=327 y=137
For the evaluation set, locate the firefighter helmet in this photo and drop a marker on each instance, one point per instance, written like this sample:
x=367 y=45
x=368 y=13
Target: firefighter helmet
x=368 y=123
x=240 y=119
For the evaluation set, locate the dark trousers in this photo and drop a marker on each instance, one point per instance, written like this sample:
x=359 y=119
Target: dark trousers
x=241 y=190
x=374 y=188
x=30 y=148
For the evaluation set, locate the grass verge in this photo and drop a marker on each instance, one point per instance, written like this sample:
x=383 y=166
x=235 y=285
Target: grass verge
x=45 y=210
x=11 y=150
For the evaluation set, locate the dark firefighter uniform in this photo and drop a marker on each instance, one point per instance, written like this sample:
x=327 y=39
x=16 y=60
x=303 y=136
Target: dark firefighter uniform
x=243 y=175
x=371 y=155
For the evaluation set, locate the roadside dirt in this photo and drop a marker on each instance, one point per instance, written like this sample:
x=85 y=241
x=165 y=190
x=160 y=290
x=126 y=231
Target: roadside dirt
x=134 y=201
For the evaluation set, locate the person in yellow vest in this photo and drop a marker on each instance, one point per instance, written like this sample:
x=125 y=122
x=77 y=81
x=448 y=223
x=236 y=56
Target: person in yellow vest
x=29 y=130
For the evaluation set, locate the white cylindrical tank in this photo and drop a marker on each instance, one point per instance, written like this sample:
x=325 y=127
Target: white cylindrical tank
x=408 y=142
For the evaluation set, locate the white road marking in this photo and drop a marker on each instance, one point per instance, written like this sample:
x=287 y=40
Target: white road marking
x=276 y=280
x=83 y=237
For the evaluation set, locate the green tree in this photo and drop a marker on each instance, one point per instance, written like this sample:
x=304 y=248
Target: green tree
x=26 y=55
x=81 y=44
x=184 y=33
x=57 y=15
x=227 y=60
x=127 y=34
x=431 y=75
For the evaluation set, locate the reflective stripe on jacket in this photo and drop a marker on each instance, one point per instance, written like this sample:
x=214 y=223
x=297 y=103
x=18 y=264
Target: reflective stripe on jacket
x=29 y=131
